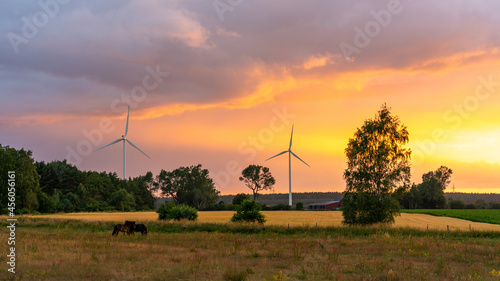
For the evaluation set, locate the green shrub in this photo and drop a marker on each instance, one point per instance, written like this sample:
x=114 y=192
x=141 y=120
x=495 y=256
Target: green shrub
x=239 y=198
x=248 y=211
x=480 y=204
x=299 y=206
x=494 y=205
x=122 y=200
x=234 y=275
x=281 y=207
x=170 y=211
x=24 y=211
x=457 y=204
x=360 y=208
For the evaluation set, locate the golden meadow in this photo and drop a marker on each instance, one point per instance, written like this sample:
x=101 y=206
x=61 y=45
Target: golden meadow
x=80 y=247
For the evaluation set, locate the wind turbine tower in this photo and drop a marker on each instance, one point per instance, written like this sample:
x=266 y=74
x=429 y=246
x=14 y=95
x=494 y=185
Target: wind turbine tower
x=290 y=153
x=124 y=139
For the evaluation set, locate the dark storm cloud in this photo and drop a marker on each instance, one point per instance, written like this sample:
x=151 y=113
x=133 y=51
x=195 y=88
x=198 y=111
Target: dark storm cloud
x=100 y=51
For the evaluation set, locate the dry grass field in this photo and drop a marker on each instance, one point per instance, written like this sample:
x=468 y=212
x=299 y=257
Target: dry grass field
x=57 y=249
x=293 y=218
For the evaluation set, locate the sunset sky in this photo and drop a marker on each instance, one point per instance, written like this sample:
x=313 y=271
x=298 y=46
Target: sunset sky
x=220 y=83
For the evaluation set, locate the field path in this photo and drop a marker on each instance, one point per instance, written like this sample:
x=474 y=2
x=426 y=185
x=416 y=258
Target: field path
x=293 y=218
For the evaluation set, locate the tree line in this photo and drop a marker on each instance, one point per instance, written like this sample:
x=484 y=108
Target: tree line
x=58 y=186
x=61 y=187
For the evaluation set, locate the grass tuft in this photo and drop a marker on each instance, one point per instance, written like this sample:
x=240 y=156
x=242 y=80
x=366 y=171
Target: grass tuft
x=232 y=274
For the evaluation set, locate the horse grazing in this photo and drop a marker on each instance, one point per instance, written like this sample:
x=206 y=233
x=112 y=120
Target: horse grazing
x=141 y=228
x=128 y=228
x=125 y=228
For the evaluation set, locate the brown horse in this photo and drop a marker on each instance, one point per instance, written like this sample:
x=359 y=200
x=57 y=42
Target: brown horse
x=140 y=228
x=123 y=228
x=128 y=228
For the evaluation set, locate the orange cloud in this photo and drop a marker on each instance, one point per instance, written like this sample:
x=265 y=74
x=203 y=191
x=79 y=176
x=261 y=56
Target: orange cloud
x=319 y=60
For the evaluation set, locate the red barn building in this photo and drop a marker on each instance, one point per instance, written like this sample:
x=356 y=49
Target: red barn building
x=328 y=205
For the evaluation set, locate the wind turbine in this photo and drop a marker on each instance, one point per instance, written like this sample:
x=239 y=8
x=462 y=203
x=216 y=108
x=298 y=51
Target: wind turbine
x=124 y=139
x=290 y=153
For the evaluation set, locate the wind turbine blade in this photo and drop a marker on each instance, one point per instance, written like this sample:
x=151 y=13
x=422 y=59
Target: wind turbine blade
x=126 y=126
x=277 y=155
x=291 y=139
x=113 y=142
x=137 y=148
x=300 y=159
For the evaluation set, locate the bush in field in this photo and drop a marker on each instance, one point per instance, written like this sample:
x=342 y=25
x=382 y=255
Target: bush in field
x=299 y=206
x=248 y=211
x=232 y=274
x=170 y=211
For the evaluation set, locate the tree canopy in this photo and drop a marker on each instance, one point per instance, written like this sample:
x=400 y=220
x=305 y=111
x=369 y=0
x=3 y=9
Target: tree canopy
x=26 y=180
x=239 y=198
x=378 y=164
x=257 y=178
x=188 y=185
x=430 y=193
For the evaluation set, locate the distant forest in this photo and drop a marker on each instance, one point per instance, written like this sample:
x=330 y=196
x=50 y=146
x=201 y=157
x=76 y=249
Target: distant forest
x=282 y=198
x=314 y=197
x=61 y=187
x=279 y=198
x=471 y=198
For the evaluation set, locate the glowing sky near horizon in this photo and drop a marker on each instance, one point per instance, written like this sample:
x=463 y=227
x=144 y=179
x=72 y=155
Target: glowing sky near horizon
x=220 y=83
